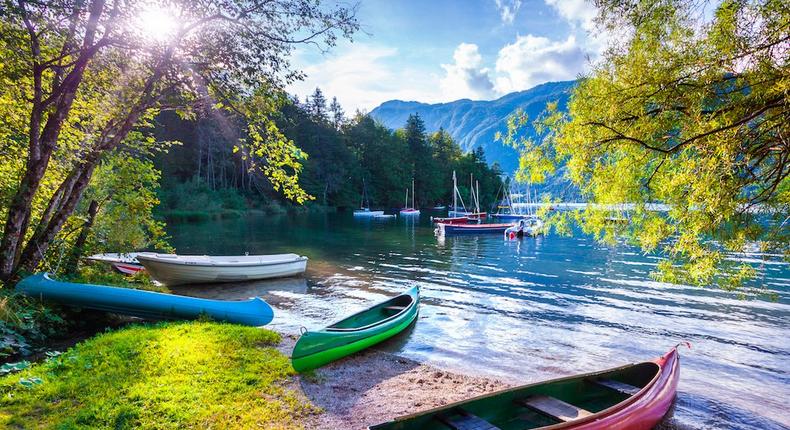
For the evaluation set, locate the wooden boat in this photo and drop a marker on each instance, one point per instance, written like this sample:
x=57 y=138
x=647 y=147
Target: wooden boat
x=357 y=332
x=145 y=304
x=633 y=397
x=454 y=229
x=171 y=269
x=124 y=263
x=453 y=220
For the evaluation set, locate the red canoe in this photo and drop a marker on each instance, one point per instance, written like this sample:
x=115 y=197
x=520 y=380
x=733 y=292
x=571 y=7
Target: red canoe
x=630 y=397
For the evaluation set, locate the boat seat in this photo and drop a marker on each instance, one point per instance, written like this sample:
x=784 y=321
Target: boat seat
x=463 y=420
x=620 y=387
x=394 y=308
x=554 y=408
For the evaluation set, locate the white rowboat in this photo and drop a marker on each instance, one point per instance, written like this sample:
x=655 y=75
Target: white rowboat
x=173 y=269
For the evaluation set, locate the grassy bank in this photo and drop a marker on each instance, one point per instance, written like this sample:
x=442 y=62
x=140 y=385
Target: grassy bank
x=164 y=376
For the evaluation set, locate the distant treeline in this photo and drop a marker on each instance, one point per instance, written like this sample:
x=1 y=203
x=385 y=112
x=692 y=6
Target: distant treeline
x=341 y=154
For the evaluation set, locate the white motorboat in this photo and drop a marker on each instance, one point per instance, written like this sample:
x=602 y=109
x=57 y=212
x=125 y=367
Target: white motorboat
x=171 y=269
x=125 y=263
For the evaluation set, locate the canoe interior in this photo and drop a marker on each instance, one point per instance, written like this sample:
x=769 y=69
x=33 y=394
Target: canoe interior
x=509 y=410
x=373 y=315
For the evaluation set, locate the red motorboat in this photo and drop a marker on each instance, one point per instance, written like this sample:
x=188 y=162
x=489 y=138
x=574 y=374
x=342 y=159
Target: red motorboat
x=453 y=220
x=631 y=397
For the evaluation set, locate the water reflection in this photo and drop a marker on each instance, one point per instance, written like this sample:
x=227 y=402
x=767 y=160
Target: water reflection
x=527 y=310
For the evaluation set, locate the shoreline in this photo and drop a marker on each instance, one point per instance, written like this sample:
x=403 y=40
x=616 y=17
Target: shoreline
x=374 y=386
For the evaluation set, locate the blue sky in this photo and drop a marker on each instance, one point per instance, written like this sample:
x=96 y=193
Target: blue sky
x=442 y=50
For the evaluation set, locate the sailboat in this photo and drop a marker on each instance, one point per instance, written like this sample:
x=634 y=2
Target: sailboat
x=473 y=199
x=409 y=210
x=364 y=205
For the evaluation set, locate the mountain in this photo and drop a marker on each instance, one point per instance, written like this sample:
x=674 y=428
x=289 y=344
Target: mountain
x=474 y=124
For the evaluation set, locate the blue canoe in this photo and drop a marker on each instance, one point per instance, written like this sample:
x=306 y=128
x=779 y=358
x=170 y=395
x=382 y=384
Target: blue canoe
x=145 y=304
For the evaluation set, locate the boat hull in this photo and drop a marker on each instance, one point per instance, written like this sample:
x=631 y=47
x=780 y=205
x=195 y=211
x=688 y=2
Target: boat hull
x=640 y=410
x=364 y=213
x=145 y=304
x=315 y=349
x=459 y=229
x=180 y=272
x=453 y=220
x=409 y=212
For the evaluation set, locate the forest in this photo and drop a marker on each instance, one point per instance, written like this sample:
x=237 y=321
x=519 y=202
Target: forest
x=205 y=173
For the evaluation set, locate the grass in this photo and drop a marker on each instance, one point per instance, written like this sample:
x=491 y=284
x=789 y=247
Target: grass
x=163 y=376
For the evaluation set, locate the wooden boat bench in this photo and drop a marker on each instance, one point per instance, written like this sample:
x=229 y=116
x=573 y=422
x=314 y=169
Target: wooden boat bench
x=394 y=308
x=463 y=420
x=554 y=408
x=620 y=387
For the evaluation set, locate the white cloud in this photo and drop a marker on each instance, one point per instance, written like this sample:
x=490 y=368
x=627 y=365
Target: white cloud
x=508 y=9
x=360 y=78
x=532 y=60
x=577 y=12
x=466 y=77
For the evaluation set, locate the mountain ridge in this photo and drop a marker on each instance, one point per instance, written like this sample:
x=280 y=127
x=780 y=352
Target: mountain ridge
x=474 y=123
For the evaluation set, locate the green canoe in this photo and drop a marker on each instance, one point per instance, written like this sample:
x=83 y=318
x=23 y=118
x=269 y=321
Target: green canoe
x=357 y=332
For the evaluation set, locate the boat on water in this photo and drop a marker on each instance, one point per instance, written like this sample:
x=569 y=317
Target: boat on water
x=125 y=263
x=633 y=397
x=356 y=332
x=364 y=205
x=456 y=229
x=366 y=212
x=454 y=220
x=172 y=269
x=531 y=226
x=409 y=210
x=456 y=216
x=145 y=304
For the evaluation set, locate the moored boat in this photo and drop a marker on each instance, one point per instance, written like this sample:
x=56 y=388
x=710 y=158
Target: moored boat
x=453 y=229
x=365 y=212
x=409 y=210
x=171 y=269
x=364 y=205
x=634 y=397
x=356 y=332
x=125 y=263
x=145 y=304
x=453 y=220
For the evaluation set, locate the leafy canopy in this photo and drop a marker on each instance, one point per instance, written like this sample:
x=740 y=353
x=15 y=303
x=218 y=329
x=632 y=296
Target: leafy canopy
x=688 y=113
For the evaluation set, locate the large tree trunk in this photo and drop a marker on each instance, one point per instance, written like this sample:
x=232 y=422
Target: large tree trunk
x=42 y=146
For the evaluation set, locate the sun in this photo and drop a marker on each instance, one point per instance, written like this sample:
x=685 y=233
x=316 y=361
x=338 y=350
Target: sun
x=156 y=23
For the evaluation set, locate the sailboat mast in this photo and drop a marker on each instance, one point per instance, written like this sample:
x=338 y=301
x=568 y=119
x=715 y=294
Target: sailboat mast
x=406 y=203
x=477 y=196
x=455 y=191
x=412 y=193
x=471 y=189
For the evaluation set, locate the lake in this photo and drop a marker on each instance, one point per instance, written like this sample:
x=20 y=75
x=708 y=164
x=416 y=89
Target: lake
x=526 y=310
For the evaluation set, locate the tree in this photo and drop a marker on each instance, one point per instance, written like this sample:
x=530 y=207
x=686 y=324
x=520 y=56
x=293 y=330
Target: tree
x=689 y=113
x=91 y=73
x=316 y=106
x=338 y=116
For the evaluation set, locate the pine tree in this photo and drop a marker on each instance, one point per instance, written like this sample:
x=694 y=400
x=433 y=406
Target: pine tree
x=316 y=106
x=338 y=116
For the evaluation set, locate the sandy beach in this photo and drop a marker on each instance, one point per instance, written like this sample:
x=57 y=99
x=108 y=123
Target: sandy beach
x=373 y=386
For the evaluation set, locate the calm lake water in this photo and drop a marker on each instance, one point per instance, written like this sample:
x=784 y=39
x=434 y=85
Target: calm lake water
x=526 y=310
